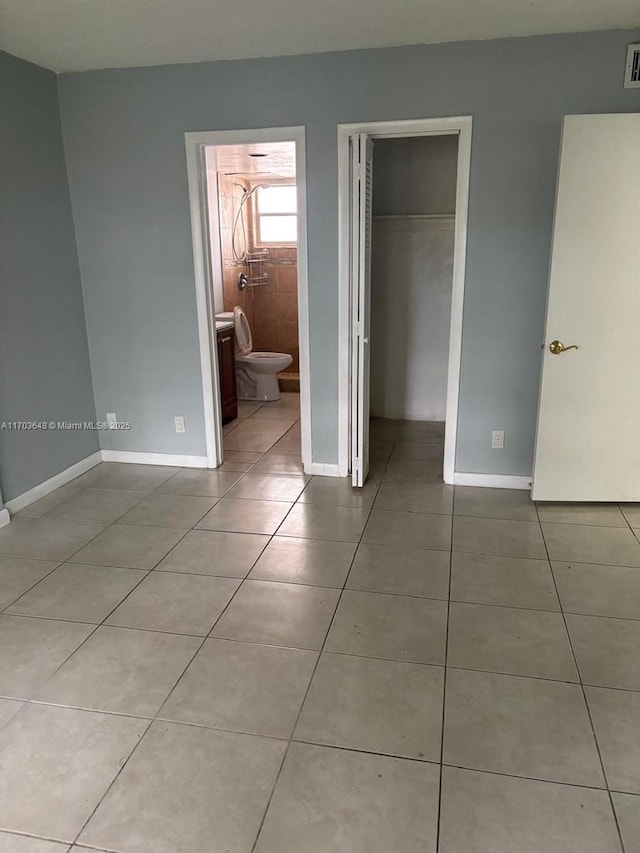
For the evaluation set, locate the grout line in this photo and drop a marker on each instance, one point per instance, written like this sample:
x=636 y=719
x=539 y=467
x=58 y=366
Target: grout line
x=444 y=683
x=315 y=669
x=584 y=699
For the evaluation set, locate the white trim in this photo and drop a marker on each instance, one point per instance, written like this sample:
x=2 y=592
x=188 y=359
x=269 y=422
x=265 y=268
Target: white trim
x=196 y=168
x=142 y=458
x=322 y=469
x=5 y=518
x=199 y=208
x=462 y=126
x=61 y=479
x=493 y=481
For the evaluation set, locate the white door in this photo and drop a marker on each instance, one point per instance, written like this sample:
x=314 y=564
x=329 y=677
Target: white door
x=360 y=258
x=588 y=438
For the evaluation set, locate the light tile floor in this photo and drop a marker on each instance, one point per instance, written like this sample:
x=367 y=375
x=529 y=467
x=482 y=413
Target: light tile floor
x=254 y=660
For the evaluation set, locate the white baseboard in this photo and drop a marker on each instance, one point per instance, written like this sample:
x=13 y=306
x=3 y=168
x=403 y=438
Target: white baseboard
x=64 y=477
x=320 y=469
x=493 y=481
x=154 y=458
x=61 y=479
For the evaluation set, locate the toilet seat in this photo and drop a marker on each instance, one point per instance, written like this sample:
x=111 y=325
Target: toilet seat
x=243 y=331
x=256 y=372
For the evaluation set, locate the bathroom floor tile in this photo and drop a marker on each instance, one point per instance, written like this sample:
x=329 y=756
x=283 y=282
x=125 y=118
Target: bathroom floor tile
x=589 y=544
x=185 y=786
x=487 y=813
x=18 y=574
x=32 y=649
x=519 y=726
x=278 y=463
x=96 y=505
x=268 y=487
x=340 y=524
x=249 y=441
x=373 y=705
x=78 y=593
x=510 y=640
x=308 y=561
x=122 y=671
x=410 y=529
x=242 y=687
x=281 y=614
x=159 y=510
x=214 y=552
x=514 y=504
x=243 y=459
x=265 y=426
x=351 y=802
x=628 y=812
x=508 y=581
x=606 y=650
x=616 y=720
x=336 y=491
x=394 y=627
x=415 y=497
x=599 y=590
x=57 y=764
x=244 y=516
x=400 y=571
x=498 y=537
x=202 y=483
x=129 y=546
x=176 y=603
x=46 y=538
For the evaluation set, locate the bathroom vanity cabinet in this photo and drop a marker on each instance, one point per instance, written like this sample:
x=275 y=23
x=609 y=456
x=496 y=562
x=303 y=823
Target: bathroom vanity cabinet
x=227 y=370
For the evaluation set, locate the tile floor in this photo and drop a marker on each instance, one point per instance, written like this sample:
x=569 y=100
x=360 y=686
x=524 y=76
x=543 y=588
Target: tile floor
x=254 y=660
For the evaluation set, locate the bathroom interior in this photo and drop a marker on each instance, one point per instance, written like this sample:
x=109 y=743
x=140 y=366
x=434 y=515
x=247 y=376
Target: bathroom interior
x=413 y=228
x=253 y=237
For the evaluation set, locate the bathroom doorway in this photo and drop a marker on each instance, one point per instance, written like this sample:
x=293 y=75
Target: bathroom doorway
x=403 y=217
x=248 y=200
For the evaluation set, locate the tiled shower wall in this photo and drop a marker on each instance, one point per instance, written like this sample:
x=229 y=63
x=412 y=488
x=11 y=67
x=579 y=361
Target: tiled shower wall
x=229 y=199
x=272 y=308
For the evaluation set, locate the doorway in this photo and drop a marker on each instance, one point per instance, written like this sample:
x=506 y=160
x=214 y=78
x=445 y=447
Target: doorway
x=248 y=214
x=412 y=379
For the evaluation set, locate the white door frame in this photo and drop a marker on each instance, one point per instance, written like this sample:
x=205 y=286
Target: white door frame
x=461 y=126
x=204 y=273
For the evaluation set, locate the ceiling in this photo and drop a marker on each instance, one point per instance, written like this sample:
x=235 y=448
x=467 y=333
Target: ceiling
x=268 y=159
x=74 y=35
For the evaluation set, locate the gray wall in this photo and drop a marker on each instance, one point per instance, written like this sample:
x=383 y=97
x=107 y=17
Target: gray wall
x=415 y=175
x=124 y=137
x=45 y=373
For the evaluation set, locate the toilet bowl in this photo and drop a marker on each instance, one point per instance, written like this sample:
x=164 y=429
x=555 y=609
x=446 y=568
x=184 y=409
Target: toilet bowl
x=256 y=372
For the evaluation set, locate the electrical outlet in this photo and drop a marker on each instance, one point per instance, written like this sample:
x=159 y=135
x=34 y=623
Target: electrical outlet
x=112 y=420
x=179 y=423
x=497 y=439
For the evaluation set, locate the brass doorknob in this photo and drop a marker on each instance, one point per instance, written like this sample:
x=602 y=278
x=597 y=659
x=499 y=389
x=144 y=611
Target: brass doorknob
x=558 y=347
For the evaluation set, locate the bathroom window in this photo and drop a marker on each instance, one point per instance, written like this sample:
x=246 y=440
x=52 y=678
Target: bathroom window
x=276 y=215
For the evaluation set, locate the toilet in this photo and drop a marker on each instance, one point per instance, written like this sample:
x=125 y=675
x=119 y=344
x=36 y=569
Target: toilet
x=256 y=372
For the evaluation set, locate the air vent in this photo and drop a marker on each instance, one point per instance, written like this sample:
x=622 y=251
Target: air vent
x=632 y=71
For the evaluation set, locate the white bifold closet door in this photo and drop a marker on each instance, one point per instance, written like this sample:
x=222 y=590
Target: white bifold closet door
x=588 y=436
x=361 y=174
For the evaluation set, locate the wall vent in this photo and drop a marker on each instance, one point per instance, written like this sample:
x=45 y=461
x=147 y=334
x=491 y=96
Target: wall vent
x=632 y=70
